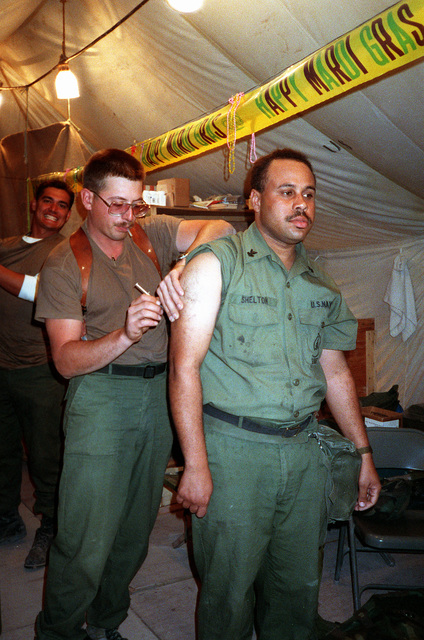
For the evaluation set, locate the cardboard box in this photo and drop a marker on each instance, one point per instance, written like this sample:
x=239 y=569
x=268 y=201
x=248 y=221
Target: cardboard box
x=177 y=191
x=377 y=417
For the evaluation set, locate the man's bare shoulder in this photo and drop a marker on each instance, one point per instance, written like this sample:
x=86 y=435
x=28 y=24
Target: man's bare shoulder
x=201 y=264
x=201 y=278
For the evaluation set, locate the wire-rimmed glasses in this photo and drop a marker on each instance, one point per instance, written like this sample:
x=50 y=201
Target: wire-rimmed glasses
x=120 y=207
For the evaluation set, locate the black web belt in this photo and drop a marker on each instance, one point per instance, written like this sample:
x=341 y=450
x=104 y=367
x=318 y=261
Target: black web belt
x=250 y=425
x=148 y=371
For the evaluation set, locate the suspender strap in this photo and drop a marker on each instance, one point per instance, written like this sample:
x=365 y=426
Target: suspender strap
x=81 y=247
x=142 y=241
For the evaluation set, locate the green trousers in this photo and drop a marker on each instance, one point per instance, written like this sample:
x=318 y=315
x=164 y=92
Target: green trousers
x=117 y=445
x=30 y=409
x=257 y=549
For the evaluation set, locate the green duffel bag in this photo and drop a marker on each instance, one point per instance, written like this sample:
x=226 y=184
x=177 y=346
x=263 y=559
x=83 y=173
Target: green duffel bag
x=344 y=464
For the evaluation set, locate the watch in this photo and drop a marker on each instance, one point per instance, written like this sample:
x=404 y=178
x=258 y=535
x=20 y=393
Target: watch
x=364 y=450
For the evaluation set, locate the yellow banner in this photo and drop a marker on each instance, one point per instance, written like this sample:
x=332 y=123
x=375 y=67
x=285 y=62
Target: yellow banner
x=72 y=177
x=389 y=41
x=392 y=39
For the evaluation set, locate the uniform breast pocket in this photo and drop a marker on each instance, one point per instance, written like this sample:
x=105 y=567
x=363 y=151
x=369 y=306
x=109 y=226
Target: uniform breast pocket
x=254 y=333
x=312 y=325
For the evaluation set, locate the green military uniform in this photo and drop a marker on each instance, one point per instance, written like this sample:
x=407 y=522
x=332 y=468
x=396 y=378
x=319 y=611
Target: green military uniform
x=117 y=439
x=267 y=516
x=31 y=392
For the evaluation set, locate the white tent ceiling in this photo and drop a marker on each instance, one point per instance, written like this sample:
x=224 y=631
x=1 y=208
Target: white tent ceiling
x=160 y=69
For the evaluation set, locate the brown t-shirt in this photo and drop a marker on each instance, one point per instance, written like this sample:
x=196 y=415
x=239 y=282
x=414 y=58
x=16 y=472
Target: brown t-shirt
x=22 y=340
x=111 y=288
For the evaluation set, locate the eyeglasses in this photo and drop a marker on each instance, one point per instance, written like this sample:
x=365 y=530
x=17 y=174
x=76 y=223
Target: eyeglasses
x=116 y=208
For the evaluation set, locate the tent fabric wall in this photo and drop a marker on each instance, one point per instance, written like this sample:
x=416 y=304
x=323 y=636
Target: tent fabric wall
x=356 y=205
x=363 y=275
x=49 y=149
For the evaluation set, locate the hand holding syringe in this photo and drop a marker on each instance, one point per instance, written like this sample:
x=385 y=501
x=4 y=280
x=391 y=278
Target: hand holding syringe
x=143 y=290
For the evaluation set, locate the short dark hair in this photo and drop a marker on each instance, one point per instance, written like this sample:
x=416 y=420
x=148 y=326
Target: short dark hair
x=111 y=163
x=259 y=171
x=55 y=184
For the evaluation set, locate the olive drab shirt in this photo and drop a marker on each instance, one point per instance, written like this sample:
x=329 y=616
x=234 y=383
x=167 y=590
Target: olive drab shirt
x=263 y=359
x=23 y=342
x=111 y=288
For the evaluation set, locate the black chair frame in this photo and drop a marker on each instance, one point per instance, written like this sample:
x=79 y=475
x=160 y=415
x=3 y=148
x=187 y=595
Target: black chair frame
x=397 y=449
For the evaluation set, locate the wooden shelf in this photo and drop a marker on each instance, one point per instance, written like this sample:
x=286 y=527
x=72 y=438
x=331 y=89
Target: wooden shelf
x=239 y=218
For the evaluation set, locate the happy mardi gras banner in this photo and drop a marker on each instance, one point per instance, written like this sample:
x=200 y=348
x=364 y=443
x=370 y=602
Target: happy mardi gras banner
x=391 y=40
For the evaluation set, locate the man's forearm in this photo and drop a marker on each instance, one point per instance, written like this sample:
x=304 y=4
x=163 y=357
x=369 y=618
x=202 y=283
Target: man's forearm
x=11 y=281
x=193 y=233
x=185 y=394
x=73 y=356
x=211 y=231
x=343 y=402
x=195 y=488
x=342 y=397
x=78 y=357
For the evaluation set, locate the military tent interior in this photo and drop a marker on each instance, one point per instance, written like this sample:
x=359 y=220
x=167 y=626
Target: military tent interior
x=161 y=68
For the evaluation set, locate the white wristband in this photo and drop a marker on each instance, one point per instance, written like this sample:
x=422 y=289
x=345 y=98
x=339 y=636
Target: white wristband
x=29 y=288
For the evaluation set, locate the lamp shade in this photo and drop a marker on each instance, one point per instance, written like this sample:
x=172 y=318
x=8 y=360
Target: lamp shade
x=66 y=83
x=186 y=6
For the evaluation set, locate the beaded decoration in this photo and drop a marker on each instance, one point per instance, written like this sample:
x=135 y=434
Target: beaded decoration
x=232 y=130
x=252 y=155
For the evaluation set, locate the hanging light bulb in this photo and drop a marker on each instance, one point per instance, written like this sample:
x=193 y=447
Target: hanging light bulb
x=186 y=6
x=66 y=83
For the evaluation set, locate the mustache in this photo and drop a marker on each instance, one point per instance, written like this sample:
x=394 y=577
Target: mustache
x=127 y=225
x=300 y=214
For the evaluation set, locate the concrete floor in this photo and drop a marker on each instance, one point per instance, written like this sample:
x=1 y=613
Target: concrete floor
x=163 y=593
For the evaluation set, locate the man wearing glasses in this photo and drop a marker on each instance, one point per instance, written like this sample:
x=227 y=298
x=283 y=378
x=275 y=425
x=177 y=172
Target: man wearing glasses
x=118 y=436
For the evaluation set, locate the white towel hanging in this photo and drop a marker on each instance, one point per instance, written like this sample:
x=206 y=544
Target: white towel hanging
x=400 y=298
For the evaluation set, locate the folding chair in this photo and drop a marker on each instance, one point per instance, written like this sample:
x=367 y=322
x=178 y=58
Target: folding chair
x=396 y=451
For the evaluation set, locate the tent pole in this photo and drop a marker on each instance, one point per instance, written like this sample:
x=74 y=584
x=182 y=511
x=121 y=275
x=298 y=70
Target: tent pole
x=26 y=159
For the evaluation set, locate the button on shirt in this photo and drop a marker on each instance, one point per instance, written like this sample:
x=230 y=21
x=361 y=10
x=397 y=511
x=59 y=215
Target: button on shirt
x=263 y=360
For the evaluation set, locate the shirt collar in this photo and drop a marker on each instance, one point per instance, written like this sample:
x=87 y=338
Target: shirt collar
x=256 y=248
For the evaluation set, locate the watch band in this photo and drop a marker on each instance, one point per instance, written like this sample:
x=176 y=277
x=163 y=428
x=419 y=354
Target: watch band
x=364 y=450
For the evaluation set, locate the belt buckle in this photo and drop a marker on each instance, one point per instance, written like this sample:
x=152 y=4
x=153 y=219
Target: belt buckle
x=149 y=371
